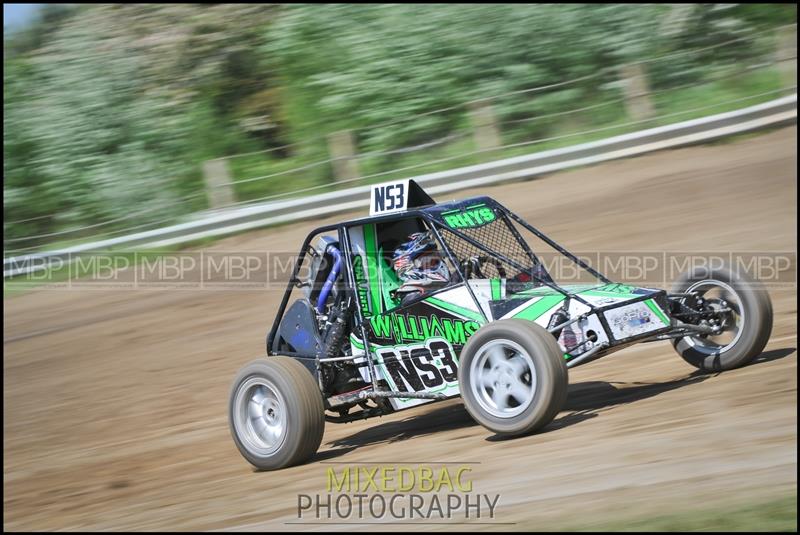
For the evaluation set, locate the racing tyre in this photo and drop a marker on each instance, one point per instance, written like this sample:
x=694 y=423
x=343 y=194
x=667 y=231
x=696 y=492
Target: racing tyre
x=275 y=413
x=747 y=326
x=512 y=377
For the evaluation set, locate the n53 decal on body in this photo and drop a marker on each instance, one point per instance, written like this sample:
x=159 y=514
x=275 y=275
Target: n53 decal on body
x=418 y=368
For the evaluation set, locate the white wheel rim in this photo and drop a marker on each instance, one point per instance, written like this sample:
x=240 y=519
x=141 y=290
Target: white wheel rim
x=260 y=416
x=503 y=378
x=714 y=345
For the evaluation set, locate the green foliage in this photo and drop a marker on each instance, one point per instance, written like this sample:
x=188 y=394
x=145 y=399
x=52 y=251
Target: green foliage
x=110 y=110
x=110 y=117
x=366 y=65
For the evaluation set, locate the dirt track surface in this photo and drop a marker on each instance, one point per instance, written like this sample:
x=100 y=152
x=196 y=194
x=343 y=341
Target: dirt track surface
x=115 y=400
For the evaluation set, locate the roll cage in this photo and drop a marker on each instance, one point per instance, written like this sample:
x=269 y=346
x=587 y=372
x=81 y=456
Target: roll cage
x=448 y=223
x=435 y=216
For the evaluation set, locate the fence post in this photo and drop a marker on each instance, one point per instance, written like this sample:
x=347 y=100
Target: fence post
x=342 y=149
x=637 y=92
x=676 y=19
x=484 y=125
x=786 y=55
x=218 y=183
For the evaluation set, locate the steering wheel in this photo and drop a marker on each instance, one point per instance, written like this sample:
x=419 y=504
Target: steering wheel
x=474 y=264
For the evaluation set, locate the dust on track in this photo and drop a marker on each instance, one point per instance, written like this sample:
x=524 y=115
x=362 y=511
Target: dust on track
x=115 y=400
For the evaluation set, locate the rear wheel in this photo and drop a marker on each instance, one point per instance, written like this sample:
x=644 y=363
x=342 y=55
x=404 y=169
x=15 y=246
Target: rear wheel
x=276 y=414
x=746 y=318
x=512 y=377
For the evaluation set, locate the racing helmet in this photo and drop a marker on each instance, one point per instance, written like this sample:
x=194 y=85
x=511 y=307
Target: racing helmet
x=417 y=262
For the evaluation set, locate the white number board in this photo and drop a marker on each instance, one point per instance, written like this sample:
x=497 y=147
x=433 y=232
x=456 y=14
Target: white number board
x=389 y=197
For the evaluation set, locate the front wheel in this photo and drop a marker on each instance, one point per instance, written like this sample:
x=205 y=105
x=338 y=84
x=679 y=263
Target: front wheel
x=512 y=377
x=276 y=414
x=745 y=318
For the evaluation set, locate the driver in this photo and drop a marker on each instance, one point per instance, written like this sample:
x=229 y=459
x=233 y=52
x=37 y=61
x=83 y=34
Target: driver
x=419 y=266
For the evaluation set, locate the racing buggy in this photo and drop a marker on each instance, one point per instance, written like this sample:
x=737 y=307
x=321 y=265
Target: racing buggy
x=498 y=330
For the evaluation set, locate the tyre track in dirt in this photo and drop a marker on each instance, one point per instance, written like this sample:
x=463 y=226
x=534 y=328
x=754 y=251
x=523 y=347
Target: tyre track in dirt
x=115 y=400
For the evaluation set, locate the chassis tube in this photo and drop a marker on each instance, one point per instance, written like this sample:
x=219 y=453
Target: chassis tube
x=363 y=395
x=344 y=238
x=556 y=246
x=568 y=322
x=292 y=281
x=516 y=265
x=457 y=267
x=581 y=358
x=332 y=276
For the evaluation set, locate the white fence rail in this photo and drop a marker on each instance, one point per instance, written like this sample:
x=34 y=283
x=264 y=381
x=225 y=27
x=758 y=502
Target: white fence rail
x=776 y=112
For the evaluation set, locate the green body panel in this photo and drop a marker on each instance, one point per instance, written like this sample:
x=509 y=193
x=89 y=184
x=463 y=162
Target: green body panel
x=538 y=308
x=373 y=278
x=497 y=289
x=389 y=282
x=620 y=291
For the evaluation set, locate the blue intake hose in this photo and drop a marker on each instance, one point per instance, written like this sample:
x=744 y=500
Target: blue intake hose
x=332 y=276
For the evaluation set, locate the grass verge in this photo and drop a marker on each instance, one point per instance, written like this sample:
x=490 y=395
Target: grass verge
x=764 y=516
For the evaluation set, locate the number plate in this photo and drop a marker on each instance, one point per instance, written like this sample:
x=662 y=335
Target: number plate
x=389 y=197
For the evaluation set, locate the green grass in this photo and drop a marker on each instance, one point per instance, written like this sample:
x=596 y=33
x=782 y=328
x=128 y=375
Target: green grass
x=729 y=89
x=772 y=515
x=278 y=173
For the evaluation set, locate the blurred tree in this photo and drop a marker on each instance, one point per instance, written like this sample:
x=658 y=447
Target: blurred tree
x=111 y=109
x=356 y=65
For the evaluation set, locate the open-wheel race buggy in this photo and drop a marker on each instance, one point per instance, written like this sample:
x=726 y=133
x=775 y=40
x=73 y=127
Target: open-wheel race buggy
x=424 y=301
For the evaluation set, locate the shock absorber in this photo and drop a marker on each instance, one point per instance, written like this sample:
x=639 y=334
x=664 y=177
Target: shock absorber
x=334 y=337
x=336 y=329
x=559 y=316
